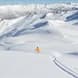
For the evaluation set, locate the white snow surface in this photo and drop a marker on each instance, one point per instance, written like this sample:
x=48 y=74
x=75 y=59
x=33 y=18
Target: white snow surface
x=28 y=65
x=24 y=27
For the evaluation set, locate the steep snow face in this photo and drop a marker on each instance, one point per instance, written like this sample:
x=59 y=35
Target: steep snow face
x=72 y=17
x=45 y=27
x=51 y=28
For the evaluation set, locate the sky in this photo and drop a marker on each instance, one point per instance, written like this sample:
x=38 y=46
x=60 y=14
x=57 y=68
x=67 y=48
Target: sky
x=35 y=1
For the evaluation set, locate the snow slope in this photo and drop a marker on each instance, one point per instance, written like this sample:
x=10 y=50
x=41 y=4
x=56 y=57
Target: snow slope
x=28 y=65
x=32 y=32
x=51 y=27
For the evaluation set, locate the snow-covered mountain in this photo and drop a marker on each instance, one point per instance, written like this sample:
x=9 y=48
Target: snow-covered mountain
x=28 y=25
x=51 y=27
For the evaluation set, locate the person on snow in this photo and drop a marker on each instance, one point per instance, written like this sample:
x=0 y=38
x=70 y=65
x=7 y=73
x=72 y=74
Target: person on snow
x=37 y=49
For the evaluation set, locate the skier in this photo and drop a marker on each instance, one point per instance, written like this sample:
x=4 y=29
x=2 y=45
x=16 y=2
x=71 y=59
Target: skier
x=37 y=49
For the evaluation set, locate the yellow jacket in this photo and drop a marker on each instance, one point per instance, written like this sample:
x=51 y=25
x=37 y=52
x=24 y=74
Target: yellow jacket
x=37 y=49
